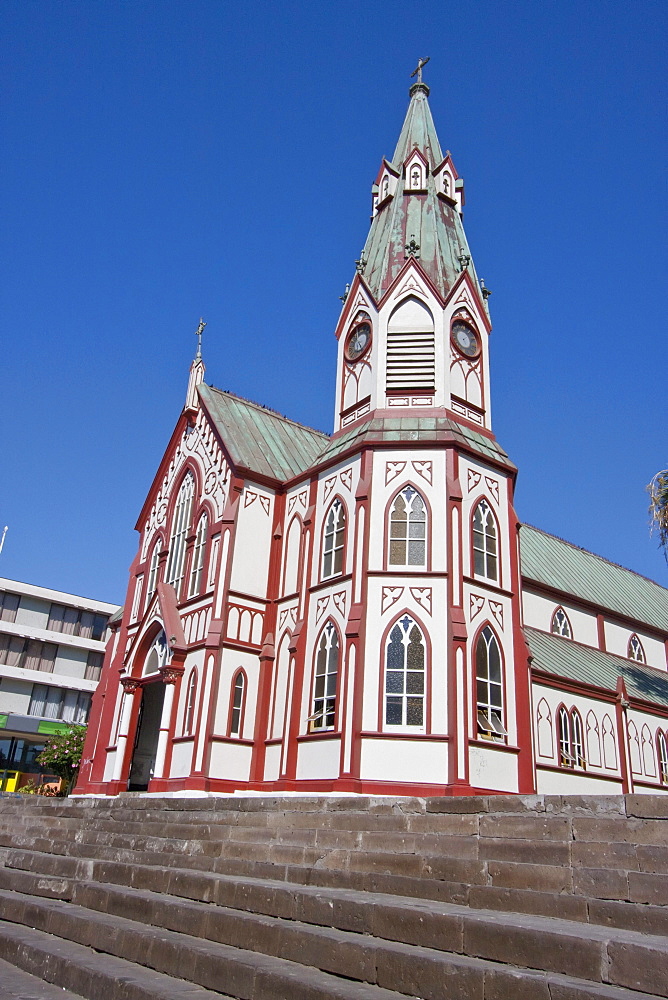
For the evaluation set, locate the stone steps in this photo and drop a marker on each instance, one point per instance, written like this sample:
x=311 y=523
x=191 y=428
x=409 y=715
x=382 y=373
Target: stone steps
x=453 y=899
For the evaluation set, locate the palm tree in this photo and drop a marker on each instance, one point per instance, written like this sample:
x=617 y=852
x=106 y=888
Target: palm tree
x=658 y=507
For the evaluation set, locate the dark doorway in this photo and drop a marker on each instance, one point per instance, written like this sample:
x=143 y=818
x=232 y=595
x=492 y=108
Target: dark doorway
x=146 y=741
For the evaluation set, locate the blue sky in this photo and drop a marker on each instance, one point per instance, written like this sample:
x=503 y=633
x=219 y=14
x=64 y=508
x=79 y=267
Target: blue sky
x=166 y=160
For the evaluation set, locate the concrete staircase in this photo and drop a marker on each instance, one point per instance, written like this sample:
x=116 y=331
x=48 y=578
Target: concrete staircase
x=303 y=898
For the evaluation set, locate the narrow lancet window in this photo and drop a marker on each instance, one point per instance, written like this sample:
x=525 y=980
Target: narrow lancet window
x=485 y=550
x=561 y=625
x=489 y=686
x=635 y=649
x=198 y=556
x=238 y=696
x=333 y=542
x=408 y=529
x=405 y=675
x=180 y=527
x=323 y=715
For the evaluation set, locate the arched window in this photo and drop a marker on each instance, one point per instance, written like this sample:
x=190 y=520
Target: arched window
x=153 y=571
x=180 y=526
x=238 y=704
x=446 y=184
x=489 y=686
x=405 y=675
x=191 y=694
x=386 y=186
x=561 y=625
x=157 y=654
x=408 y=529
x=333 y=541
x=662 y=753
x=323 y=715
x=198 y=556
x=415 y=177
x=485 y=549
x=571 y=738
x=635 y=650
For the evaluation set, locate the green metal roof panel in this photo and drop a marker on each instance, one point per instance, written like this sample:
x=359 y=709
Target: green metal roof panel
x=572 y=661
x=550 y=561
x=259 y=439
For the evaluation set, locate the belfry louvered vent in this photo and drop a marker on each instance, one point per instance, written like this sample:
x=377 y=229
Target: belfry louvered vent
x=410 y=361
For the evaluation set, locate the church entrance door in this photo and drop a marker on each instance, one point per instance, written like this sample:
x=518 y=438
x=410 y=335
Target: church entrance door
x=146 y=742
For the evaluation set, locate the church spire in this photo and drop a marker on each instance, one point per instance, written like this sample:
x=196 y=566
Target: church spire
x=197 y=370
x=418 y=201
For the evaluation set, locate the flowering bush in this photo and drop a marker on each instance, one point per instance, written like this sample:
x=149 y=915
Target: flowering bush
x=62 y=753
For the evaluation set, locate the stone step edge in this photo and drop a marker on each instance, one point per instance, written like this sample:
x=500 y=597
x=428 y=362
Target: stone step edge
x=361 y=899
x=68 y=965
x=17 y=984
x=502 y=979
x=151 y=947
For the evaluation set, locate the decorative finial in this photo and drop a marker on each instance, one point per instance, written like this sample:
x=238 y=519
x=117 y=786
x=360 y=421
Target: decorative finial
x=412 y=248
x=464 y=259
x=345 y=294
x=198 y=333
x=486 y=292
x=418 y=71
x=360 y=264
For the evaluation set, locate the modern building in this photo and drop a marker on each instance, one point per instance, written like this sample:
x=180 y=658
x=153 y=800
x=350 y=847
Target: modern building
x=51 y=652
x=363 y=612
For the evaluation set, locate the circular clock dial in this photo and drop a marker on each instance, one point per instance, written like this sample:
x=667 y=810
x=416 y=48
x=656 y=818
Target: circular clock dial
x=358 y=340
x=465 y=339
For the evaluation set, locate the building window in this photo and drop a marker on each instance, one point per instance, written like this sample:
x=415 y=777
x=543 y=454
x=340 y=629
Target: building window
x=238 y=699
x=9 y=604
x=334 y=539
x=153 y=571
x=198 y=556
x=93 y=666
x=662 y=748
x=635 y=650
x=405 y=675
x=408 y=529
x=191 y=695
x=485 y=550
x=180 y=528
x=561 y=625
x=489 y=687
x=30 y=654
x=73 y=621
x=59 y=703
x=323 y=715
x=571 y=740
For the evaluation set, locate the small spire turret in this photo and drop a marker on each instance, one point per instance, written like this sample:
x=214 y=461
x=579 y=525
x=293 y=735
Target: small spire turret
x=197 y=370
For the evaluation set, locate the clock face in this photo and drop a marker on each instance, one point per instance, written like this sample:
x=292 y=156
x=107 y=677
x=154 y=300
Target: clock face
x=359 y=339
x=465 y=339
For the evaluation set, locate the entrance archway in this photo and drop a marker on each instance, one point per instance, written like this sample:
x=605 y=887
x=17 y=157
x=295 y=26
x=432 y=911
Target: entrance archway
x=146 y=741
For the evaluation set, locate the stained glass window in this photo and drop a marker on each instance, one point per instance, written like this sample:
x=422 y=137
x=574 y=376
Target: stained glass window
x=577 y=739
x=190 y=704
x=405 y=675
x=408 y=529
x=335 y=529
x=180 y=528
x=635 y=650
x=662 y=747
x=489 y=686
x=561 y=625
x=485 y=542
x=571 y=738
x=325 y=681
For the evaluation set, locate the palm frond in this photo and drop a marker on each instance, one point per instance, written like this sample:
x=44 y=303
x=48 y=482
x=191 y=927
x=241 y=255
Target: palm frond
x=658 y=507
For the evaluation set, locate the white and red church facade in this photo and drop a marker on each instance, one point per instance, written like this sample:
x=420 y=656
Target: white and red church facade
x=364 y=612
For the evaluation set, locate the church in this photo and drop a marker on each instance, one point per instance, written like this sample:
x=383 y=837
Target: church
x=363 y=612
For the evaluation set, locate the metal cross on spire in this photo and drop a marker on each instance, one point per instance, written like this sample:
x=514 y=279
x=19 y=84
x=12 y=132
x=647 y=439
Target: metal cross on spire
x=198 y=333
x=418 y=71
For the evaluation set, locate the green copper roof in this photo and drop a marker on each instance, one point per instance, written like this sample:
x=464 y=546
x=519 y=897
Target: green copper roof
x=261 y=440
x=562 y=566
x=410 y=429
x=430 y=220
x=565 y=658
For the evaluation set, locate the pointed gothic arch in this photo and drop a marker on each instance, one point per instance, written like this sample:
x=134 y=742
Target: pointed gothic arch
x=560 y=623
x=485 y=536
x=153 y=567
x=662 y=755
x=325 y=679
x=410 y=353
x=334 y=538
x=489 y=685
x=635 y=650
x=199 y=553
x=407 y=529
x=292 y=556
x=237 y=710
x=189 y=704
x=181 y=520
x=405 y=676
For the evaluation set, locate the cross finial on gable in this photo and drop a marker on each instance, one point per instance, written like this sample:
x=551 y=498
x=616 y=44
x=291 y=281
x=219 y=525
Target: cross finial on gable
x=198 y=333
x=418 y=71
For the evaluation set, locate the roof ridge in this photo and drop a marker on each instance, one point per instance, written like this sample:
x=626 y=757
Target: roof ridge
x=267 y=409
x=581 y=548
